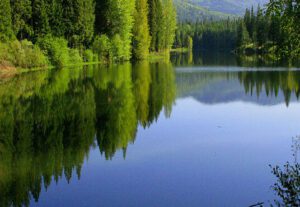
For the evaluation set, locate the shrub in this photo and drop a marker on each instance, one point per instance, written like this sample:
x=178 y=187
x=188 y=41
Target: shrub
x=88 y=56
x=117 y=48
x=102 y=47
x=22 y=54
x=74 y=57
x=33 y=56
x=56 y=48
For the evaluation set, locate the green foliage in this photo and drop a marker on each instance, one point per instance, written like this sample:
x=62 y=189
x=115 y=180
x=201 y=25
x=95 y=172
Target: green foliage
x=162 y=16
x=41 y=24
x=56 y=49
x=242 y=35
x=112 y=29
x=6 y=32
x=79 y=21
x=285 y=17
x=189 y=43
x=102 y=47
x=88 y=56
x=21 y=18
x=275 y=32
x=115 y=19
x=116 y=48
x=209 y=35
x=141 y=36
x=22 y=54
x=74 y=57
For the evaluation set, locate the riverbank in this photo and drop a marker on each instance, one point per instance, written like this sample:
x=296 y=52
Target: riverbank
x=181 y=50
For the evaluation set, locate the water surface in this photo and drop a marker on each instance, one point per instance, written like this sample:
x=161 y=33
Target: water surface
x=148 y=134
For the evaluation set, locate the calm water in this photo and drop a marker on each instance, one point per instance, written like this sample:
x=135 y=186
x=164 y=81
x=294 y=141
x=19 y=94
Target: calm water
x=156 y=134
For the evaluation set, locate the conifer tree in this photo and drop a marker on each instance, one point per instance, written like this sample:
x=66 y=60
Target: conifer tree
x=56 y=18
x=261 y=27
x=116 y=20
x=5 y=21
x=169 y=17
x=22 y=18
x=141 y=36
x=242 y=35
x=40 y=16
x=155 y=20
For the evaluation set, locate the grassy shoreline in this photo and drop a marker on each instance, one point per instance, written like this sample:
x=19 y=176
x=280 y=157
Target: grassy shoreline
x=17 y=70
x=181 y=50
x=153 y=57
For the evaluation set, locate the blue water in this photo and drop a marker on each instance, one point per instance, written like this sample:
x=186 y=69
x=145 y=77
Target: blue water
x=210 y=144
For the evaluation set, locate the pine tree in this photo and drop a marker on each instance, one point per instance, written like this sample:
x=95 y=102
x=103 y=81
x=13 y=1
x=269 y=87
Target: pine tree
x=116 y=20
x=141 y=36
x=169 y=17
x=242 y=35
x=252 y=24
x=162 y=18
x=40 y=16
x=261 y=27
x=155 y=13
x=5 y=21
x=56 y=18
x=248 y=23
x=86 y=20
x=22 y=18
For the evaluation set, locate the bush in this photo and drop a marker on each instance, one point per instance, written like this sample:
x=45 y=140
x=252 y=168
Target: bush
x=22 y=54
x=56 y=48
x=117 y=49
x=88 y=56
x=102 y=47
x=74 y=57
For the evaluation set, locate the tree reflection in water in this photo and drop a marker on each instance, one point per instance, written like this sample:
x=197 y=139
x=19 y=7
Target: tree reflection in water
x=49 y=121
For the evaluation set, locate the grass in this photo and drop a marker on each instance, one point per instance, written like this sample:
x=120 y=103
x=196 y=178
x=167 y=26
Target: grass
x=181 y=50
x=155 y=56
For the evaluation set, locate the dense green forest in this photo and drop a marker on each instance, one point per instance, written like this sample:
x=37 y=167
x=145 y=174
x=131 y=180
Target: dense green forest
x=36 y=33
x=273 y=30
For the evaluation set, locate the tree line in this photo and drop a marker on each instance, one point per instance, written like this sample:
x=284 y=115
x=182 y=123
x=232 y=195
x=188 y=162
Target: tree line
x=207 y=35
x=273 y=30
x=111 y=30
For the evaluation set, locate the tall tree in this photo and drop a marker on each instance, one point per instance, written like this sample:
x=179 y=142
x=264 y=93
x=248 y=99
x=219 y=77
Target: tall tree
x=85 y=22
x=22 y=18
x=40 y=18
x=169 y=16
x=56 y=17
x=162 y=17
x=116 y=20
x=141 y=37
x=155 y=13
x=5 y=20
x=242 y=35
x=288 y=11
x=261 y=27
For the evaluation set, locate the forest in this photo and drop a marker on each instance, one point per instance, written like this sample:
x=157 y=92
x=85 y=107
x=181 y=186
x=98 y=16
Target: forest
x=43 y=33
x=37 y=33
x=271 y=30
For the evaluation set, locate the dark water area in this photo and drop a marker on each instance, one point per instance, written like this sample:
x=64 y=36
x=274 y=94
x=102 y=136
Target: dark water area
x=228 y=58
x=206 y=132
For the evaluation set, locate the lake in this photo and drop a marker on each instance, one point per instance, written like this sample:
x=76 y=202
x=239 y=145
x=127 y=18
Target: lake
x=197 y=131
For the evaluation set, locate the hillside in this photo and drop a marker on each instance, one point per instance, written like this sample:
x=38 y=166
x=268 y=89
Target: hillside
x=192 y=10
